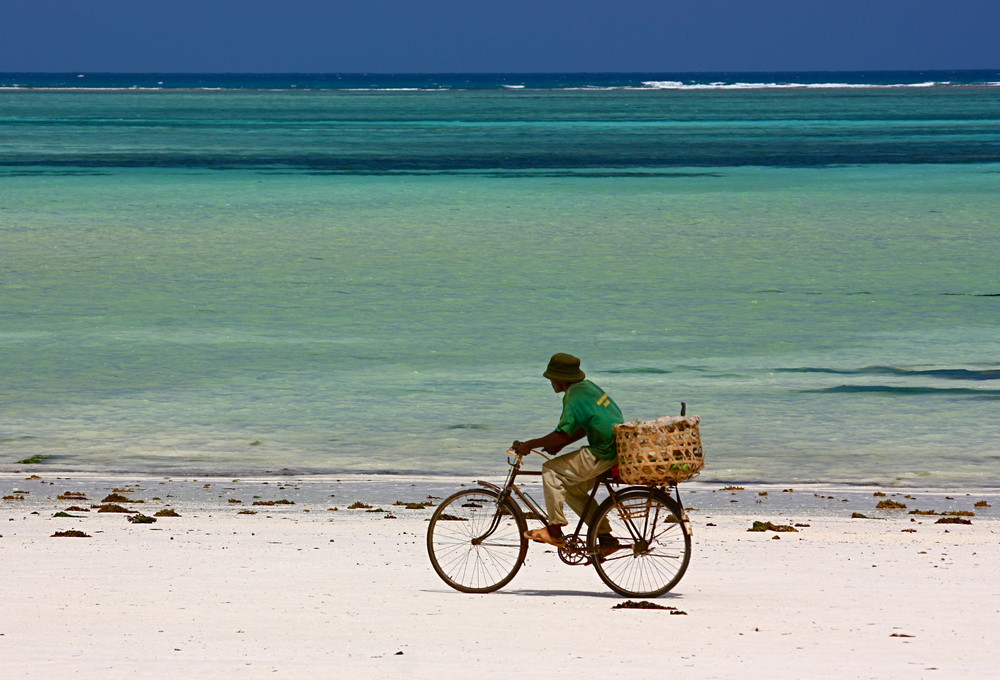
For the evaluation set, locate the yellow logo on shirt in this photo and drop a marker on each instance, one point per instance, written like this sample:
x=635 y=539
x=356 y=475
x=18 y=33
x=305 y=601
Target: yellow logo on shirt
x=605 y=400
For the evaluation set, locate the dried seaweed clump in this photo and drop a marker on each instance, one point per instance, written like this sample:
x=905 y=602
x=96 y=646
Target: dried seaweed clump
x=118 y=498
x=167 y=512
x=645 y=604
x=890 y=505
x=111 y=507
x=73 y=533
x=953 y=520
x=410 y=506
x=768 y=526
x=141 y=519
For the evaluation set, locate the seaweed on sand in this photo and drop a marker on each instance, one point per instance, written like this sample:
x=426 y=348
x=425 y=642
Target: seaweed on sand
x=645 y=604
x=141 y=519
x=111 y=507
x=769 y=526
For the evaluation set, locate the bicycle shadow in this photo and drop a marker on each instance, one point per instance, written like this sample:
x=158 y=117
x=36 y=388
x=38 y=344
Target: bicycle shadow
x=529 y=592
x=525 y=592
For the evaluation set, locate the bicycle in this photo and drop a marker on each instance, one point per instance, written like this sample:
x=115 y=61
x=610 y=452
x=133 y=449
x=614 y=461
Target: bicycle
x=476 y=539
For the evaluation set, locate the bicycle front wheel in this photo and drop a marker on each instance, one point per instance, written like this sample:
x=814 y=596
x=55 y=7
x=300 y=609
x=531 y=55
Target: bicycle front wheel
x=653 y=543
x=477 y=544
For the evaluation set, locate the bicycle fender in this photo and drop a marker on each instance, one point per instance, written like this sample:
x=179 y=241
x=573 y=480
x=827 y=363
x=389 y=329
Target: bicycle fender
x=489 y=485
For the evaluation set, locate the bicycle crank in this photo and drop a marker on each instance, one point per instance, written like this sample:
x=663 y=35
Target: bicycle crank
x=574 y=551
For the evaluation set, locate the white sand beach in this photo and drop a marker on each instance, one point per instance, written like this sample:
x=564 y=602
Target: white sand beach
x=302 y=590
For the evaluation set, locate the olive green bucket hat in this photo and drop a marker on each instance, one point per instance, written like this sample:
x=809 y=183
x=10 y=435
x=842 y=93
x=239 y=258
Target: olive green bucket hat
x=565 y=367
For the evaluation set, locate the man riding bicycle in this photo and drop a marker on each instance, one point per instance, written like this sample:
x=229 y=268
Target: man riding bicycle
x=587 y=411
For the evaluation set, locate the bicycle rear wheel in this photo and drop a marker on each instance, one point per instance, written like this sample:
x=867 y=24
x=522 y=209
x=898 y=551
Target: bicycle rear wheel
x=654 y=545
x=476 y=544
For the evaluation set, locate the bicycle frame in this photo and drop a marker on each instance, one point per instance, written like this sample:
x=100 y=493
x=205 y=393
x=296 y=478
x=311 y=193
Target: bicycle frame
x=510 y=489
x=645 y=555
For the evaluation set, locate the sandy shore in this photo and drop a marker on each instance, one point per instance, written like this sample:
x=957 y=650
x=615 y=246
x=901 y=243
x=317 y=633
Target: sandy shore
x=300 y=588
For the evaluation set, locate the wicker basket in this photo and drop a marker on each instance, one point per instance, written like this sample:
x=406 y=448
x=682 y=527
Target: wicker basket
x=662 y=451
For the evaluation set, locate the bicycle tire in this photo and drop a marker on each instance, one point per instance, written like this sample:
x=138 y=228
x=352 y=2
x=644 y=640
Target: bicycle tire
x=465 y=552
x=655 y=544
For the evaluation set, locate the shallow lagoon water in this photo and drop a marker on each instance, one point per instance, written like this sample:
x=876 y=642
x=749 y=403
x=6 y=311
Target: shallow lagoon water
x=383 y=299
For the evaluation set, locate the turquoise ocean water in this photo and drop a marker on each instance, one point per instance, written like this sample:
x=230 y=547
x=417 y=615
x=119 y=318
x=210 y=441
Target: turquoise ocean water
x=236 y=274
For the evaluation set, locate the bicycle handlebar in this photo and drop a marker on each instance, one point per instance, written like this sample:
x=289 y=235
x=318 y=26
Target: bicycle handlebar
x=520 y=459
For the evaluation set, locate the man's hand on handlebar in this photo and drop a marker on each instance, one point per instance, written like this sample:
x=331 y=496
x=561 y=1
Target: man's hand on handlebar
x=551 y=443
x=521 y=448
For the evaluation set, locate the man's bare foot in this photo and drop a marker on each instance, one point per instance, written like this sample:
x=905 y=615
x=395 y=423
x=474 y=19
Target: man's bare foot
x=607 y=544
x=546 y=535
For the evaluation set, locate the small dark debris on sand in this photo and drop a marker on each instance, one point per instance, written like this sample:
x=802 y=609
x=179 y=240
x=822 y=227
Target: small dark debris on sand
x=70 y=534
x=167 y=512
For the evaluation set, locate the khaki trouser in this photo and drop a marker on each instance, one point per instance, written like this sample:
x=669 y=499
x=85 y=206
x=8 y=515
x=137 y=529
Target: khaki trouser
x=569 y=478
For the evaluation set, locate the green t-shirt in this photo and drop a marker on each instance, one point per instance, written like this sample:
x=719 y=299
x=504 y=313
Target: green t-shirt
x=588 y=406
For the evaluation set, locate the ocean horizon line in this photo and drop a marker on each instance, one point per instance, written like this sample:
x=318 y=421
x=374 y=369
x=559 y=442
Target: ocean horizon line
x=505 y=81
x=493 y=73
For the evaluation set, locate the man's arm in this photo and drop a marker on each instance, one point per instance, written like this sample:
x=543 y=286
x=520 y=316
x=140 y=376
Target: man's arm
x=551 y=443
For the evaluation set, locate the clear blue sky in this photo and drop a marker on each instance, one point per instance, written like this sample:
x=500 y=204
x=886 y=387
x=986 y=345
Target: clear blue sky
x=496 y=35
